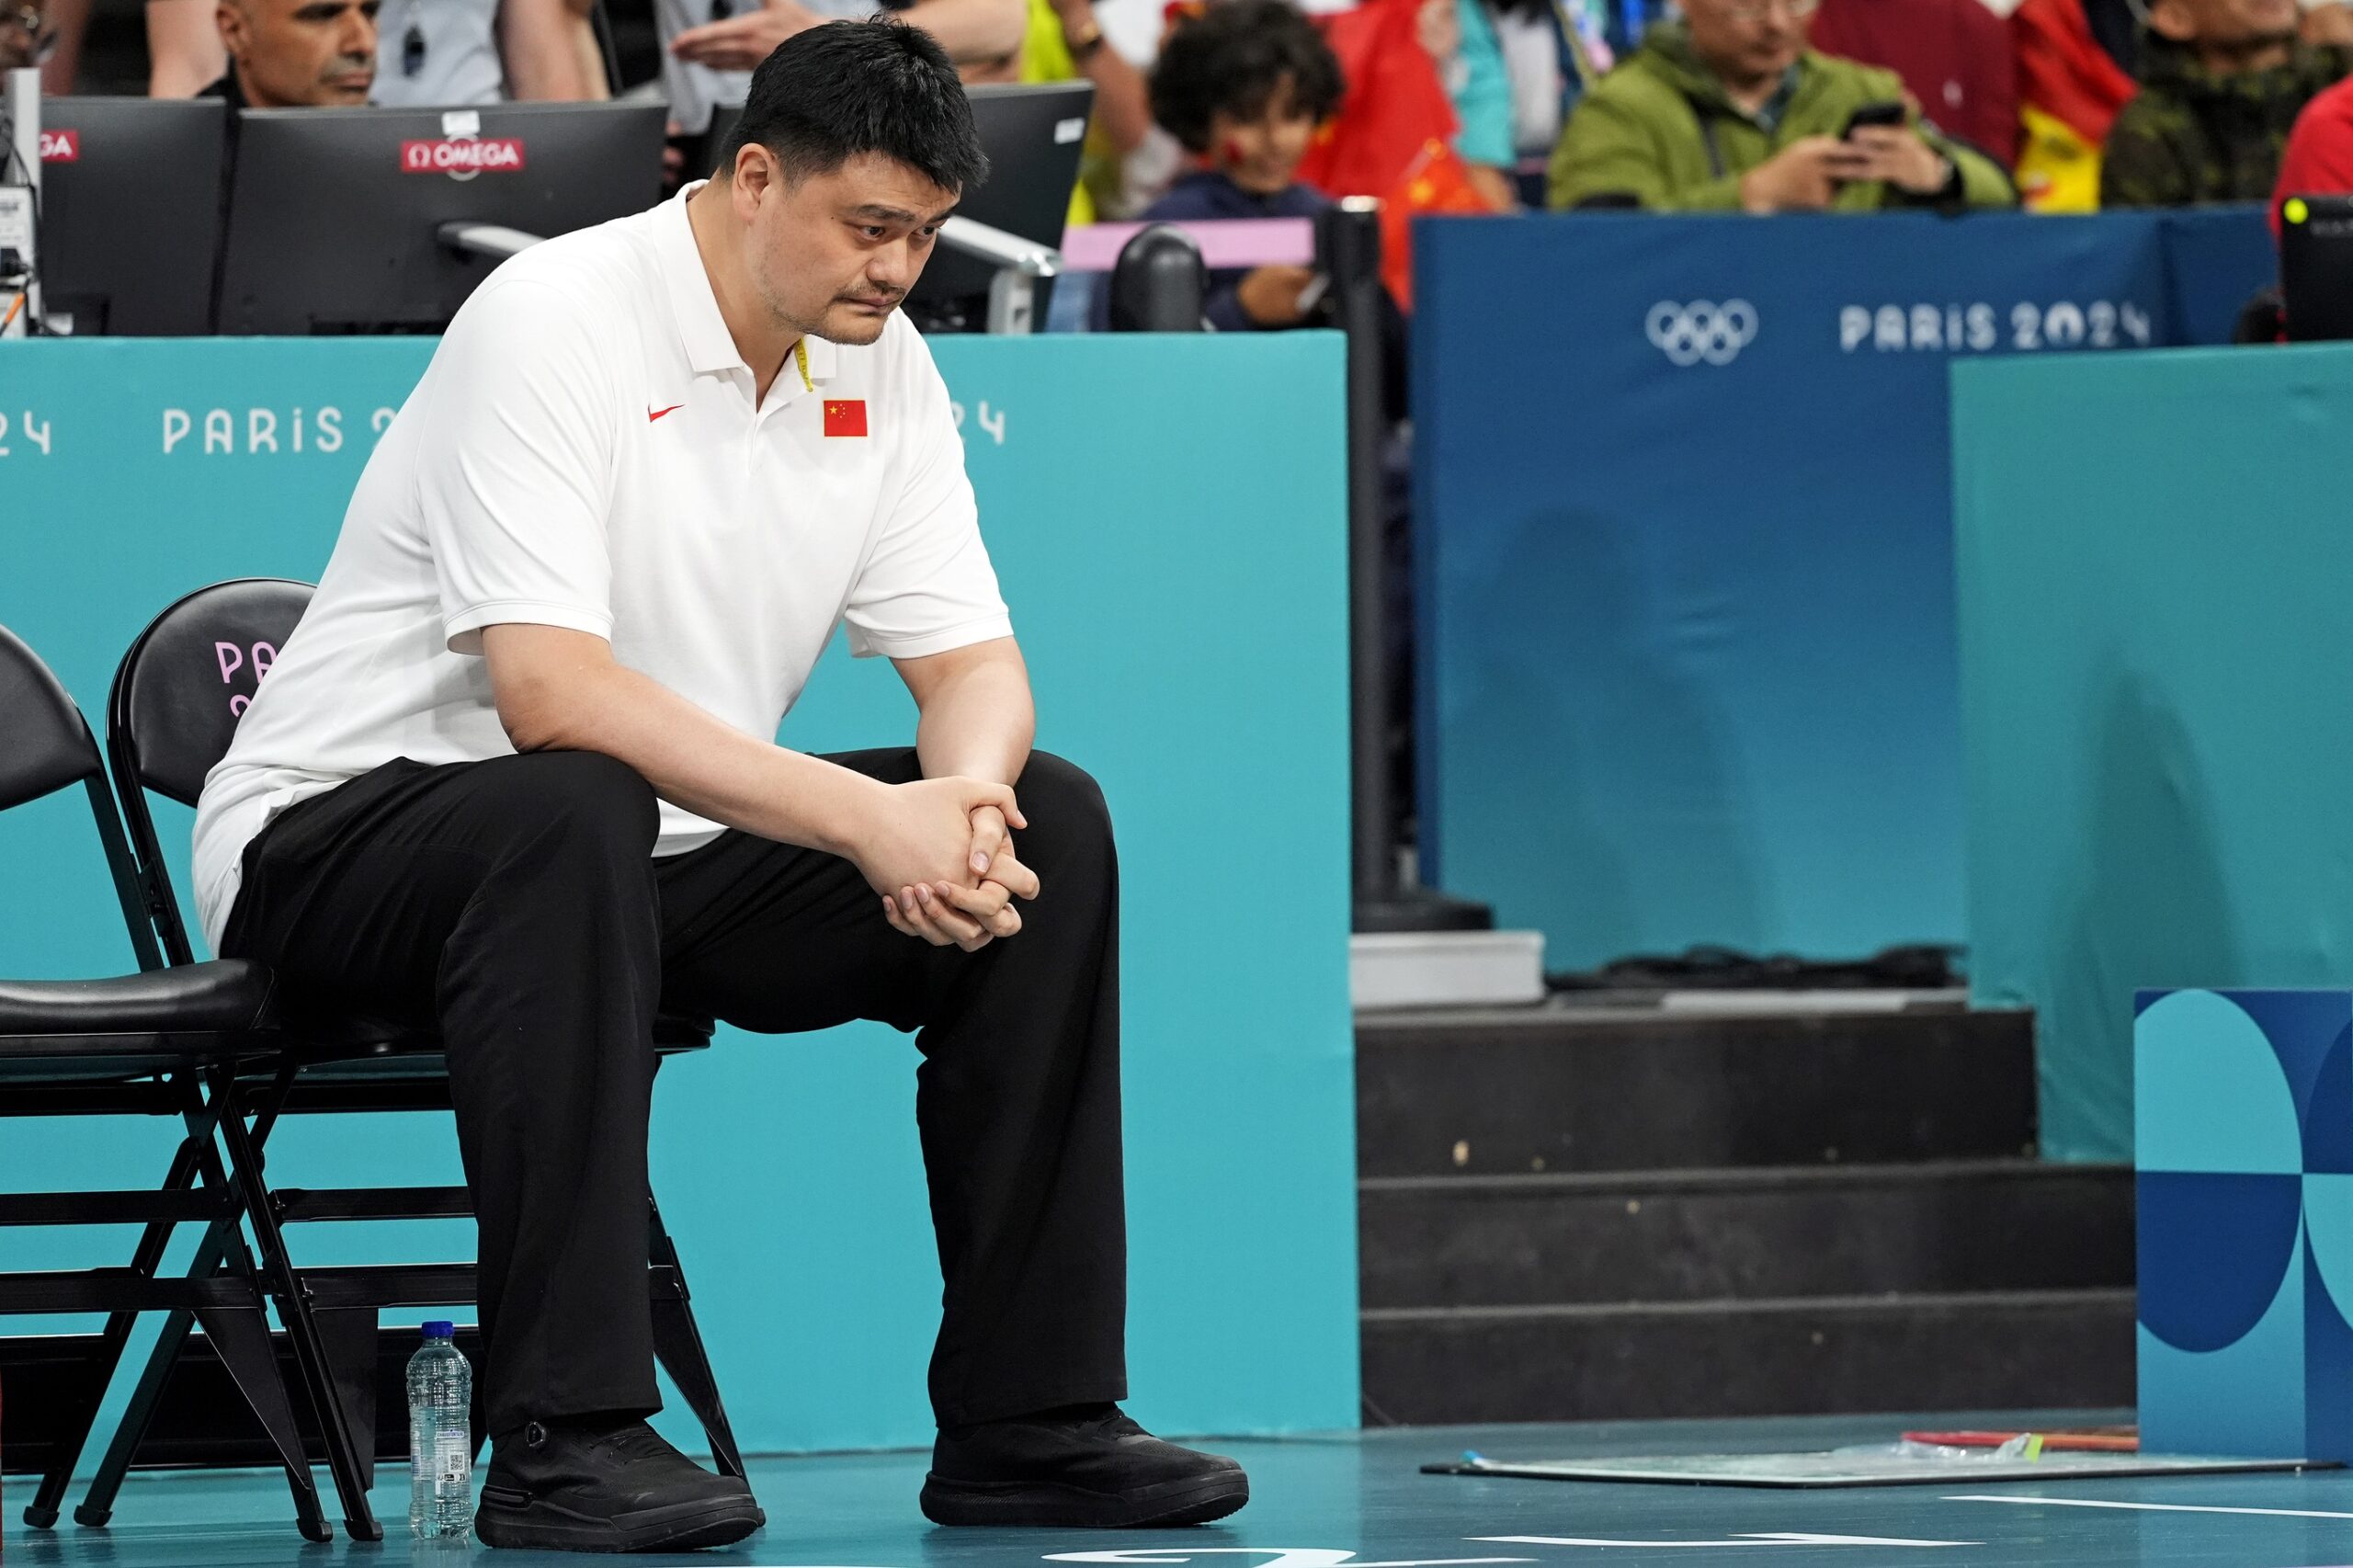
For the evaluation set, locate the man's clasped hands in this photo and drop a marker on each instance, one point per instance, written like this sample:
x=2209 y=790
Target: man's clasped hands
x=941 y=854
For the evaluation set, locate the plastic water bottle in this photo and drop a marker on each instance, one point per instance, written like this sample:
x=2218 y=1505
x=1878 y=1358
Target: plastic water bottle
x=440 y=1448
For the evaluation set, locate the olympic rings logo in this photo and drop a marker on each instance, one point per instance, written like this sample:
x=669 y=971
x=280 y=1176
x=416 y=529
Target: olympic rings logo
x=1703 y=330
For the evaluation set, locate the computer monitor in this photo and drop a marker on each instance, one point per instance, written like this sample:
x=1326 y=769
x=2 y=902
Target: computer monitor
x=2316 y=267
x=1033 y=136
x=334 y=215
x=130 y=214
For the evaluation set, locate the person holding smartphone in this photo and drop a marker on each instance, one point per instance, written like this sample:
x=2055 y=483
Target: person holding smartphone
x=1729 y=110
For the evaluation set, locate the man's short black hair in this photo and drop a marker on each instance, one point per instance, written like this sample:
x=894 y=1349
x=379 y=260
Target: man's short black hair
x=831 y=91
x=1232 y=58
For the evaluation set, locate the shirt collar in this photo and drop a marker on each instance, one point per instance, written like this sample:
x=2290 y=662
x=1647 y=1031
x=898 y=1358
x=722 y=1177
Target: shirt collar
x=709 y=346
x=1770 y=113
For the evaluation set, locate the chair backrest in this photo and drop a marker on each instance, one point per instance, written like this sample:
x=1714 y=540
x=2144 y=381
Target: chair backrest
x=176 y=698
x=45 y=746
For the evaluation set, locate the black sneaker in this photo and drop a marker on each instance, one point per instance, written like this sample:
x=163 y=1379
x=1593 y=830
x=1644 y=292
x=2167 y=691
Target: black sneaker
x=1085 y=1466
x=607 y=1486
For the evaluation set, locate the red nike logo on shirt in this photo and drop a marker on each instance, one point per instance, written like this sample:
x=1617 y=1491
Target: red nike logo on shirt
x=653 y=414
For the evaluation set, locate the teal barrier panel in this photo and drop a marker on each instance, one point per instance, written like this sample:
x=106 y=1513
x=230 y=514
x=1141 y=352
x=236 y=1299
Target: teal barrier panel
x=2158 y=715
x=1168 y=519
x=1685 y=581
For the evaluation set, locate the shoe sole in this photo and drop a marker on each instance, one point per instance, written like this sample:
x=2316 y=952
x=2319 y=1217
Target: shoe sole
x=1019 y=1502
x=681 y=1527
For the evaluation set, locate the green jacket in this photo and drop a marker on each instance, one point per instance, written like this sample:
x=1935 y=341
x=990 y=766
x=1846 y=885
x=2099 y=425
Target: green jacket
x=2191 y=136
x=1644 y=132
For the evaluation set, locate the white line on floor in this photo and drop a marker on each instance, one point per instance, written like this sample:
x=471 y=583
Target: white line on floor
x=2152 y=1507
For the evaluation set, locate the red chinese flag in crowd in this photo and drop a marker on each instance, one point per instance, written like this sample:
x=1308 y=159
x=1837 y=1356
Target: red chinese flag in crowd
x=1437 y=180
x=2069 y=91
x=1395 y=103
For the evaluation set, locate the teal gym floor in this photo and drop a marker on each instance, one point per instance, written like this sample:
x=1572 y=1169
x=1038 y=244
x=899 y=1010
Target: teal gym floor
x=1357 y=1500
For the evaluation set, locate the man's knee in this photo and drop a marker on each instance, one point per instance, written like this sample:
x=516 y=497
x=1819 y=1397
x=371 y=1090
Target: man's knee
x=1064 y=805
x=588 y=798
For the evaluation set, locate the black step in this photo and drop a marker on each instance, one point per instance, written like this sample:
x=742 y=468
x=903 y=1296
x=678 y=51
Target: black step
x=1509 y=1092
x=1792 y=1358
x=1705 y=1235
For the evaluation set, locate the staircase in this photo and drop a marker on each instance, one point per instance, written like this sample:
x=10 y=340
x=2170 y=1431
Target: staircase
x=1598 y=1212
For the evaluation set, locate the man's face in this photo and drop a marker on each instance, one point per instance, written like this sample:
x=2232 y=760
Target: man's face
x=303 y=53
x=833 y=255
x=1751 y=41
x=2224 y=23
x=1261 y=152
x=20 y=30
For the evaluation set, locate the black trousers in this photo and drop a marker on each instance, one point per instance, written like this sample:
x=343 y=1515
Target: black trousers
x=516 y=904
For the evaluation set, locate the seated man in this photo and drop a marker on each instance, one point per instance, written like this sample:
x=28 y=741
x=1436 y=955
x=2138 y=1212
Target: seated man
x=513 y=775
x=1729 y=110
x=2222 y=83
x=297 y=53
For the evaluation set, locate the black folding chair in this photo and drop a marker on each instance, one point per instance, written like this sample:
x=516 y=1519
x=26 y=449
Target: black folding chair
x=161 y=1042
x=170 y=717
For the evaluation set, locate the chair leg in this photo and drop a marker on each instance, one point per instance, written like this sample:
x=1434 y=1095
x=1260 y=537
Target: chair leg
x=202 y=1119
x=42 y=1512
x=294 y=1311
x=243 y=1340
x=677 y=1343
x=256 y=1374
x=98 y=1505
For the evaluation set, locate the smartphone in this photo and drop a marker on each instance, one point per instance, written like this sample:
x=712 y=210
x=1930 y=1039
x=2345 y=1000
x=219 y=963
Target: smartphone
x=1888 y=111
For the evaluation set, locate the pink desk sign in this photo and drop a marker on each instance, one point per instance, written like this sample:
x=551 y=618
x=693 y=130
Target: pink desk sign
x=1226 y=242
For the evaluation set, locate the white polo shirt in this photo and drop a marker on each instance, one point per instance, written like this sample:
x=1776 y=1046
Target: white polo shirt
x=583 y=451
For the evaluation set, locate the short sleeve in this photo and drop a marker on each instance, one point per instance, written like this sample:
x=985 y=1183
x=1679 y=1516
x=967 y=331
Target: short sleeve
x=927 y=586
x=514 y=466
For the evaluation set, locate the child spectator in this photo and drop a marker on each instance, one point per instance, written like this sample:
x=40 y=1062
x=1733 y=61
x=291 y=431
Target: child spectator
x=1243 y=87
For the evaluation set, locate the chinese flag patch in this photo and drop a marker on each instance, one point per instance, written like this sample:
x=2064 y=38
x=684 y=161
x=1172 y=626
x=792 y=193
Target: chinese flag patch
x=846 y=416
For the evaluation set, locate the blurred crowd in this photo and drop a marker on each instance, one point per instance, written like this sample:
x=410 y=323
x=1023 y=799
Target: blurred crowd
x=1218 y=109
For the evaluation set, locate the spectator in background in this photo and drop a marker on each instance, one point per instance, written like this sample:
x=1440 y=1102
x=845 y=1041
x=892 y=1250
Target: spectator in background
x=2319 y=158
x=2328 y=24
x=23 y=34
x=2221 y=83
x=297 y=53
x=1243 y=87
x=430 y=53
x=1731 y=112
x=1066 y=43
x=1954 y=57
x=1459 y=38
x=1552 y=53
x=711 y=46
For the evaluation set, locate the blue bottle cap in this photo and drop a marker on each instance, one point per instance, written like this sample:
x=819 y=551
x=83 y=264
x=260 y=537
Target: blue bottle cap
x=438 y=1330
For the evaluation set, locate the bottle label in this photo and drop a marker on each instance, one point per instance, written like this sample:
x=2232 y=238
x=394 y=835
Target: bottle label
x=448 y=1460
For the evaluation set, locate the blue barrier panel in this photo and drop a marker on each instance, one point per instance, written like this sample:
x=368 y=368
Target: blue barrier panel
x=2245 y=1214
x=1686 y=667
x=1178 y=574
x=2152 y=558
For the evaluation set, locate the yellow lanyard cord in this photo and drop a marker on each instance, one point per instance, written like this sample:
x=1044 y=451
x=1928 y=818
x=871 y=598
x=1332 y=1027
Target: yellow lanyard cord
x=800 y=360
